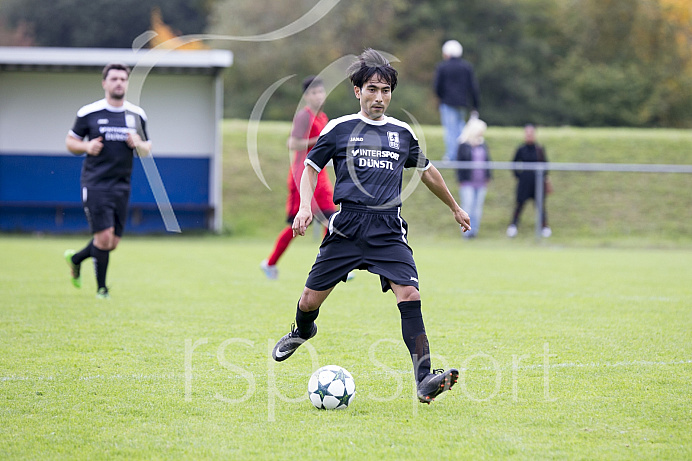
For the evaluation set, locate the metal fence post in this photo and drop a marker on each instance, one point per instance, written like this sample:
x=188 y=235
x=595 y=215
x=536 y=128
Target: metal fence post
x=538 y=201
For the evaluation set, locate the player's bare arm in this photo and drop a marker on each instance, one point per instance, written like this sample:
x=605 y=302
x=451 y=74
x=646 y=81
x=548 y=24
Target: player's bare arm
x=135 y=141
x=79 y=146
x=301 y=143
x=434 y=181
x=308 y=182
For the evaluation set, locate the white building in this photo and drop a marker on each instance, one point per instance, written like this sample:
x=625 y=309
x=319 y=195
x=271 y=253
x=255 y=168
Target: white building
x=41 y=90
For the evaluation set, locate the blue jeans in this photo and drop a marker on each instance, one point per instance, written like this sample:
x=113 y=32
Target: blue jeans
x=453 y=120
x=472 y=199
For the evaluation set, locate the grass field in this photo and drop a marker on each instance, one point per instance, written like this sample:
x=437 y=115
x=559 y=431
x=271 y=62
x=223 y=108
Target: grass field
x=566 y=353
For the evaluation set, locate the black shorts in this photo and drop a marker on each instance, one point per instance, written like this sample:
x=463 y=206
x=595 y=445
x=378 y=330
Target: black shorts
x=105 y=208
x=367 y=239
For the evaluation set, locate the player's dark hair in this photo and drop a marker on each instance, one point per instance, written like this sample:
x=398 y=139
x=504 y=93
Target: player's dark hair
x=370 y=63
x=114 y=66
x=311 y=81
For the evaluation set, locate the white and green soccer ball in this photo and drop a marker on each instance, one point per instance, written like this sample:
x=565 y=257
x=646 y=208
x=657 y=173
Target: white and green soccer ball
x=331 y=388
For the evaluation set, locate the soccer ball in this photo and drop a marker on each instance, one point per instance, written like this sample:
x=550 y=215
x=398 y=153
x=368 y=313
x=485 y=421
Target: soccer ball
x=331 y=387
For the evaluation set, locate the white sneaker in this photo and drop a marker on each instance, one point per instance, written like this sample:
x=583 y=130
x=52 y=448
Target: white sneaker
x=271 y=272
x=511 y=231
x=546 y=232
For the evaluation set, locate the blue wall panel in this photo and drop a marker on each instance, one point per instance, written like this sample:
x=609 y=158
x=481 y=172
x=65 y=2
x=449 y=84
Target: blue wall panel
x=38 y=178
x=40 y=193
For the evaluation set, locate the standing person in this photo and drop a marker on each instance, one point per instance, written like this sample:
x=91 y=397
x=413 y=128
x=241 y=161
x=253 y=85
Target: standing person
x=530 y=151
x=307 y=125
x=473 y=183
x=457 y=91
x=370 y=150
x=110 y=131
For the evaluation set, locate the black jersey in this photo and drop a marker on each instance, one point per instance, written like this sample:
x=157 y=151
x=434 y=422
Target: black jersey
x=369 y=158
x=112 y=168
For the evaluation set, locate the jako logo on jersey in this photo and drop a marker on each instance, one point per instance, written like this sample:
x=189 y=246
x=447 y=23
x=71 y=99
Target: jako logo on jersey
x=355 y=139
x=102 y=121
x=393 y=137
x=413 y=279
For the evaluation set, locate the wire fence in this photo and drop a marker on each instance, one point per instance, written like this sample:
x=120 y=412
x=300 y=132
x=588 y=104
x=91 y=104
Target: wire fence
x=542 y=167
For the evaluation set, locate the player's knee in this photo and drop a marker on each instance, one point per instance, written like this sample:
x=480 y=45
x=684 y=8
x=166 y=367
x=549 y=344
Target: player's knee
x=407 y=293
x=310 y=300
x=105 y=240
x=307 y=304
x=102 y=244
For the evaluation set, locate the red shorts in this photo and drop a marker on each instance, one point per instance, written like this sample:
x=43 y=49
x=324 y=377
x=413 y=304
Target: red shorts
x=322 y=201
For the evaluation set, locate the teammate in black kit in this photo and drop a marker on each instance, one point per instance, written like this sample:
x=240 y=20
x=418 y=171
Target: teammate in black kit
x=110 y=131
x=369 y=151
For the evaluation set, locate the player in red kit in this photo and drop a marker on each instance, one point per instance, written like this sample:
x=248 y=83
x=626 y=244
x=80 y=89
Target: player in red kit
x=307 y=126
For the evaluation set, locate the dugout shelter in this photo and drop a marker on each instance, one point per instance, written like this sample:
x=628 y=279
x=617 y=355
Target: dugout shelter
x=41 y=90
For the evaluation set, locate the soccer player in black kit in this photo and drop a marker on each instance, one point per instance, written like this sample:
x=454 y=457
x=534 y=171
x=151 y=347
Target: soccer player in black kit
x=110 y=131
x=369 y=151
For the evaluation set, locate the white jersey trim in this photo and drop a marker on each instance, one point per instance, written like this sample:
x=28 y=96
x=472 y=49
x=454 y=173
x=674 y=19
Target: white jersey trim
x=425 y=168
x=385 y=120
x=397 y=122
x=136 y=109
x=401 y=224
x=102 y=104
x=332 y=123
x=75 y=135
x=331 y=221
x=312 y=164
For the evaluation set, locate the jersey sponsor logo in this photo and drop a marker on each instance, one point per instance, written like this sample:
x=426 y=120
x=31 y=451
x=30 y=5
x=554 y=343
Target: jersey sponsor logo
x=355 y=139
x=374 y=163
x=374 y=153
x=102 y=121
x=393 y=138
x=374 y=158
x=114 y=133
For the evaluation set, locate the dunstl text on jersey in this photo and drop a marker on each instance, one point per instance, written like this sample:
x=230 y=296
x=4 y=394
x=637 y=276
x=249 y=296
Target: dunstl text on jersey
x=370 y=158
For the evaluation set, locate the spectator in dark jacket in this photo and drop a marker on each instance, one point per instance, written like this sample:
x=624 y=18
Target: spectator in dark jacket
x=473 y=183
x=457 y=91
x=530 y=151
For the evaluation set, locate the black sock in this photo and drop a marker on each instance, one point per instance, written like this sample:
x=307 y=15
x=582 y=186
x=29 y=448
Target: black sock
x=100 y=265
x=413 y=331
x=304 y=322
x=83 y=254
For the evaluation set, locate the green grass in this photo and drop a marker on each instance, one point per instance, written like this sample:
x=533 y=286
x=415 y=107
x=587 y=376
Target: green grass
x=83 y=378
x=587 y=208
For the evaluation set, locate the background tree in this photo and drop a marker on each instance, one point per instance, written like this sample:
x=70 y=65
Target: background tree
x=100 y=23
x=553 y=62
x=626 y=66
x=347 y=29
